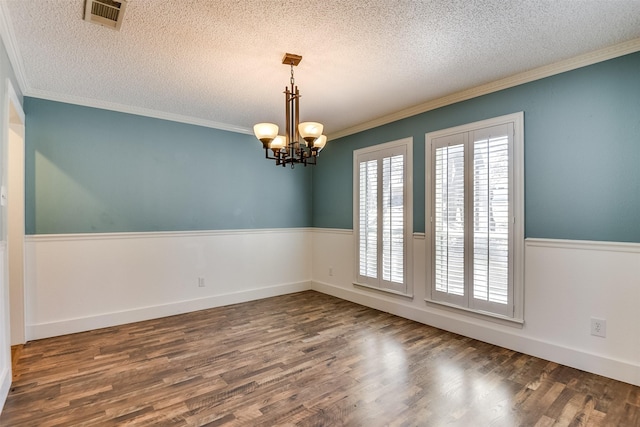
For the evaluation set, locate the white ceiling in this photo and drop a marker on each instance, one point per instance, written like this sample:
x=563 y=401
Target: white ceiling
x=218 y=62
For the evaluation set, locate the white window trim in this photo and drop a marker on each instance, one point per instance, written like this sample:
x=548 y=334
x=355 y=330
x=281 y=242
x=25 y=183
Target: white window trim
x=518 y=210
x=408 y=207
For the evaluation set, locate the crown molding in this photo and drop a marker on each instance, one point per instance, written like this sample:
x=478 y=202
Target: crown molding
x=580 y=61
x=139 y=111
x=11 y=45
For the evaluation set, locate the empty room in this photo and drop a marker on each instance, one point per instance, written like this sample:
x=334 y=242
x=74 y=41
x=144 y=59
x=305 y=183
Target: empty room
x=337 y=213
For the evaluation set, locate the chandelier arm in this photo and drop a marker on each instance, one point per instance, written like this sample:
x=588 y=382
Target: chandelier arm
x=266 y=153
x=309 y=162
x=278 y=155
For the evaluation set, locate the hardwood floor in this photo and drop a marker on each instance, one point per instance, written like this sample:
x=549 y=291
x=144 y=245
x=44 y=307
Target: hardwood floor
x=303 y=359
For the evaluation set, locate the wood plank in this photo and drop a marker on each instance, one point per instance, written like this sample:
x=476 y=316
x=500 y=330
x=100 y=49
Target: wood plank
x=303 y=359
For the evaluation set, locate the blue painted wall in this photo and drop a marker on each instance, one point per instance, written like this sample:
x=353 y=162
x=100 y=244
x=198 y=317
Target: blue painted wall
x=91 y=171
x=582 y=153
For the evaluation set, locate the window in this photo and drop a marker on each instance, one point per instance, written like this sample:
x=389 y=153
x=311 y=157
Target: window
x=475 y=216
x=383 y=215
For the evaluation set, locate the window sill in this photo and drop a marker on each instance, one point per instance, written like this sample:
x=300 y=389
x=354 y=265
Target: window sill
x=484 y=315
x=386 y=291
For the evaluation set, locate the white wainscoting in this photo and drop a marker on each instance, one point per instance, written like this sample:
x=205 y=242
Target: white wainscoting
x=81 y=282
x=566 y=283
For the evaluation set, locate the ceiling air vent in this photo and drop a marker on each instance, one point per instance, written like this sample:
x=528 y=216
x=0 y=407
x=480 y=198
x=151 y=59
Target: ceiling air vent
x=105 y=12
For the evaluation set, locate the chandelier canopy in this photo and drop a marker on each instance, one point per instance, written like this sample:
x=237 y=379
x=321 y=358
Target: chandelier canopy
x=302 y=142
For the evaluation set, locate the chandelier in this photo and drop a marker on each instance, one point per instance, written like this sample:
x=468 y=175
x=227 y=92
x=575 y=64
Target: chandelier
x=302 y=142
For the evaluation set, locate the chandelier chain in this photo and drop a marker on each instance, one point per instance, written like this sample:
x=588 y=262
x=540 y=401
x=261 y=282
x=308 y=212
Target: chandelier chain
x=292 y=79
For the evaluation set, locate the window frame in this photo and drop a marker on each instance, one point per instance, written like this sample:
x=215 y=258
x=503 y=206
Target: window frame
x=515 y=311
x=378 y=152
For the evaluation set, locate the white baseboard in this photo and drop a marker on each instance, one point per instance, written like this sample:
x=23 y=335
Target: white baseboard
x=70 y=326
x=597 y=364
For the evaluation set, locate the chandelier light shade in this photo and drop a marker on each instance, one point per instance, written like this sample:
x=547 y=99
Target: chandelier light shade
x=278 y=143
x=265 y=132
x=320 y=142
x=302 y=142
x=310 y=131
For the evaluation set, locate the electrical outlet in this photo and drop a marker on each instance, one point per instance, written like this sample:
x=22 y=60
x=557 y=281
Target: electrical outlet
x=330 y=271
x=201 y=282
x=598 y=327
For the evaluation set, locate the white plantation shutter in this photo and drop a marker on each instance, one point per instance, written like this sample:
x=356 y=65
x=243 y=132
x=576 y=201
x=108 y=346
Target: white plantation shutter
x=393 y=219
x=491 y=213
x=472 y=219
x=369 y=219
x=381 y=215
x=449 y=218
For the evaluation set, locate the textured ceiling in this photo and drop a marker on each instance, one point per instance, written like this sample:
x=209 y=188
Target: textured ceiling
x=219 y=61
